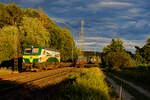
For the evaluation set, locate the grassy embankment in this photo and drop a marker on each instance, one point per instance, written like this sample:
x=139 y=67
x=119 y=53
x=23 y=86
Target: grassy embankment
x=139 y=76
x=87 y=84
x=132 y=91
x=5 y=71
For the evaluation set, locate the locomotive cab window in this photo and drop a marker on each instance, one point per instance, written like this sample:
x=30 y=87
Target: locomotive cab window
x=28 y=51
x=35 y=51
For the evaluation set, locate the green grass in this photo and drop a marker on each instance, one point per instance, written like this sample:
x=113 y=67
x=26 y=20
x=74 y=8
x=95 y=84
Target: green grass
x=132 y=91
x=87 y=84
x=139 y=76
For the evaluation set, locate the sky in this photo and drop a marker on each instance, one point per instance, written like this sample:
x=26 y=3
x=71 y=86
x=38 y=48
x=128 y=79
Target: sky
x=128 y=20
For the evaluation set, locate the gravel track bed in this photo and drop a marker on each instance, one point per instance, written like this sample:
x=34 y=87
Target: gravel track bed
x=39 y=79
x=51 y=80
x=35 y=75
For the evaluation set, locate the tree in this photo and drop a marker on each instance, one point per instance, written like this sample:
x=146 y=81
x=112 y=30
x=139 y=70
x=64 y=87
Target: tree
x=11 y=15
x=67 y=45
x=142 y=55
x=34 y=33
x=119 y=60
x=31 y=13
x=115 y=45
x=9 y=43
x=148 y=41
x=36 y=28
x=115 y=57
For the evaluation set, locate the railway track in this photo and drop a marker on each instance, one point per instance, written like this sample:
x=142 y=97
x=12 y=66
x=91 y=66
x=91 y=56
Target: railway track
x=36 y=80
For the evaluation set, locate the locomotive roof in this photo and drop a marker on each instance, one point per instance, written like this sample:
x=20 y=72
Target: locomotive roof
x=51 y=49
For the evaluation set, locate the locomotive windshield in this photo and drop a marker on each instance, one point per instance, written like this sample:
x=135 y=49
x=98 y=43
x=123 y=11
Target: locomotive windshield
x=28 y=51
x=33 y=51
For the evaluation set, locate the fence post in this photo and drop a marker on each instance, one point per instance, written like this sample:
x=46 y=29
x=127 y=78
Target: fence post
x=120 y=92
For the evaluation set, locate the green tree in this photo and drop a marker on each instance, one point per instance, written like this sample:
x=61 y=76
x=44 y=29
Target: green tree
x=10 y=15
x=68 y=49
x=142 y=55
x=119 y=60
x=148 y=41
x=31 y=13
x=9 y=43
x=115 y=45
x=115 y=57
x=36 y=28
x=34 y=33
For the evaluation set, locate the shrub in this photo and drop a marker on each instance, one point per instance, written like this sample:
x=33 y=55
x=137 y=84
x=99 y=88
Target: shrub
x=87 y=84
x=119 y=60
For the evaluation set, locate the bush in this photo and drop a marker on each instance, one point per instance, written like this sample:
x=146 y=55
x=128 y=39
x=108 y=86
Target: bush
x=118 y=60
x=87 y=84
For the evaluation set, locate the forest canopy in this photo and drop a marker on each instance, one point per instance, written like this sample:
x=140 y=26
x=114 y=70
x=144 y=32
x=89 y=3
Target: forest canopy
x=21 y=27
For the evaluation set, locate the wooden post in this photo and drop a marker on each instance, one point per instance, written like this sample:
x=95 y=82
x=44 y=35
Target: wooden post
x=15 y=64
x=120 y=92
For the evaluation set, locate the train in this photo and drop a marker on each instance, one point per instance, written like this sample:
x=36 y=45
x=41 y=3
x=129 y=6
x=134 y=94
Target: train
x=39 y=56
x=36 y=54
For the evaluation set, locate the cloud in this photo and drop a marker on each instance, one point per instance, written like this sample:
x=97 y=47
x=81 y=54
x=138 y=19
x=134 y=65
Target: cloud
x=104 y=19
x=87 y=43
x=59 y=20
x=97 y=38
x=64 y=2
x=101 y=5
x=34 y=1
x=100 y=42
x=130 y=45
x=141 y=23
x=114 y=4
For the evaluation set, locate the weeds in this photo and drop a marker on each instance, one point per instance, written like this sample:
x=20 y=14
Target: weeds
x=139 y=76
x=132 y=91
x=87 y=84
x=5 y=71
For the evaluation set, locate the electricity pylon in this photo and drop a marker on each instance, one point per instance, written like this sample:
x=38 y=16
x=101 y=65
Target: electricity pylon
x=79 y=32
x=82 y=35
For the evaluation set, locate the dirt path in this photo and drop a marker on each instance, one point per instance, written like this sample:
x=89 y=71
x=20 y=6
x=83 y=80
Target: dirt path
x=138 y=88
x=125 y=94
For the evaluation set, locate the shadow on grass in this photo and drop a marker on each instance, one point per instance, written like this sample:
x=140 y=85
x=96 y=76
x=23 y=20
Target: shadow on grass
x=61 y=91
x=9 y=64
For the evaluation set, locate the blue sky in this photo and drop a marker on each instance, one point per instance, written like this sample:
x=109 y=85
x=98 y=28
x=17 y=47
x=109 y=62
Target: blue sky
x=104 y=19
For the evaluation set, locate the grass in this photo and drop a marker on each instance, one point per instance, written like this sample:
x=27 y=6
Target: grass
x=87 y=84
x=5 y=71
x=132 y=91
x=139 y=76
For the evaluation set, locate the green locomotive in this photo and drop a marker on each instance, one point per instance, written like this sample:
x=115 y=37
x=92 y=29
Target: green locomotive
x=36 y=54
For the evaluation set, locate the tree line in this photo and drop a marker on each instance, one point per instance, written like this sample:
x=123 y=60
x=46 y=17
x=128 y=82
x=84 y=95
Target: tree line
x=26 y=27
x=114 y=55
